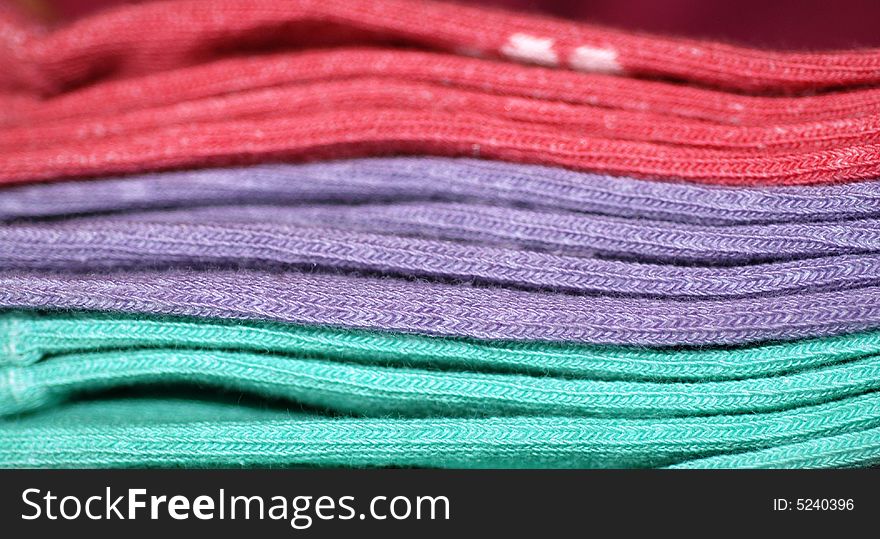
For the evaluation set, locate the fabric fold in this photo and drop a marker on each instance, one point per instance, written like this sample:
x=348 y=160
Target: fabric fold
x=125 y=434
x=116 y=244
x=166 y=35
x=376 y=390
x=426 y=178
x=446 y=310
x=30 y=337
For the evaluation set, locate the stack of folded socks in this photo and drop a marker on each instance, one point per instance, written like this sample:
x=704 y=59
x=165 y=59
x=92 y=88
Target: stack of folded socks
x=405 y=233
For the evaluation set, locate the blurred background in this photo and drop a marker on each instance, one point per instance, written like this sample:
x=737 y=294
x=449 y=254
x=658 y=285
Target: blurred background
x=779 y=24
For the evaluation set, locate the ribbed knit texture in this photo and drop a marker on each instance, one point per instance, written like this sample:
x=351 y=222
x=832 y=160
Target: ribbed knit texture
x=367 y=132
x=411 y=179
x=844 y=450
x=164 y=35
x=139 y=433
x=49 y=358
x=193 y=352
x=384 y=93
x=449 y=310
x=28 y=337
x=162 y=90
x=118 y=244
x=583 y=298
x=393 y=387
x=340 y=111
x=580 y=235
x=370 y=390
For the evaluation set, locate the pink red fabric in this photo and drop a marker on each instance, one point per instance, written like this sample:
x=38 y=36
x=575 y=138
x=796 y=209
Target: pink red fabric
x=165 y=85
x=155 y=36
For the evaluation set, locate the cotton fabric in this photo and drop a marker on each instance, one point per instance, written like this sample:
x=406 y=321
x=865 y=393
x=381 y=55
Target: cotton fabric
x=405 y=233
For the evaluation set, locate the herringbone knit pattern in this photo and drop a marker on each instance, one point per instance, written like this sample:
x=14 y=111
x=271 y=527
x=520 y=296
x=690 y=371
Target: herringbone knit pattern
x=409 y=233
x=31 y=337
x=164 y=35
x=451 y=310
x=453 y=180
x=135 y=434
x=177 y=99
x=113 y=244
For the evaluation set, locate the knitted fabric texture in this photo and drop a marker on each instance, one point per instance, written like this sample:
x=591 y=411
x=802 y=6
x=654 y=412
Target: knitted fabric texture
x=198 y=434
x=581 y=235
x=391 y=95
x=369 y=387
x=259 y=72
x=360 y=132
x=446 y=309
x=29 y=337
x=117 y=244
x=413 y=179
x=164 y=35
x=263 y=233
x=842 y=451
x=364 y=110
x=370 y=390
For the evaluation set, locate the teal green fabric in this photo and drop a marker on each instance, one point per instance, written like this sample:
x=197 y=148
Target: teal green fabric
x=848 y=450
x=26 y=337
x=128 y=433
x=335 y=397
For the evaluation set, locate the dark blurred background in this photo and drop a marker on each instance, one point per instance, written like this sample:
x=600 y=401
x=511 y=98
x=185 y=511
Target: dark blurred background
x=780 y=24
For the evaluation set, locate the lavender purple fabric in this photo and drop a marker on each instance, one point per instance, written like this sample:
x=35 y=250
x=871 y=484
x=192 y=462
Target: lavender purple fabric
x=447 y=310
x=117 y=244
x=556 y=231
x=534 y=253
x=402 y=179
